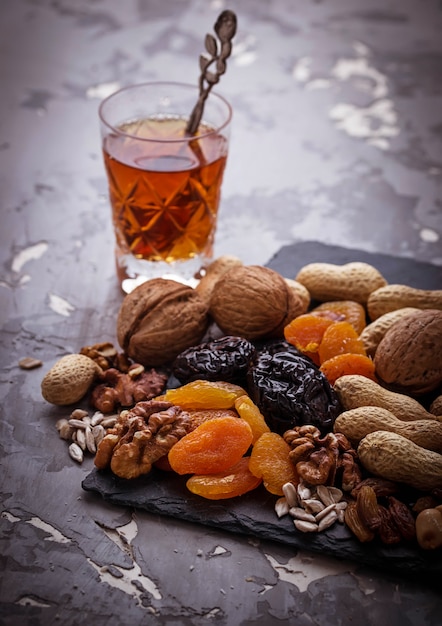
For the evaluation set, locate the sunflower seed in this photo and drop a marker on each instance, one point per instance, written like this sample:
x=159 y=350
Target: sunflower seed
x=109 y=422
x=90 y=440
x=75 y=423
x=299 y=513
x=136 y=371
x=97 y=418
x=76 y=452
x=325 y=512
x=281 y=507
x=290 y=493
x=305 y=527
x=312 y=505
x=304 y=492
x=328 y=495
x=79 y=414
x=98 y=432
x=327 y=521
x=64 y=429
x=81 y=439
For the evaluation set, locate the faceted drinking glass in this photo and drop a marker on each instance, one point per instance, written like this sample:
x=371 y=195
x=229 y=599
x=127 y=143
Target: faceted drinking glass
x=164 y=185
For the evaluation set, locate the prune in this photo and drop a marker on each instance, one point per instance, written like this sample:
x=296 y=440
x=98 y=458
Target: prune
x=290 y=390
x=225 y=359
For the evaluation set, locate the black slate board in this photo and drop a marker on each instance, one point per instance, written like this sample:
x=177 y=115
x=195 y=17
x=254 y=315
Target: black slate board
x=253 y=514
x=289 y=260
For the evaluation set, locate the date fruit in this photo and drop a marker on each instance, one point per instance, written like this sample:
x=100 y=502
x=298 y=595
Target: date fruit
x=290 y=390
x=225 y=359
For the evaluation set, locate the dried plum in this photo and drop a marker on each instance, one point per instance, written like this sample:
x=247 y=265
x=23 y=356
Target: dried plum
x=225 y=359
x=290 y=390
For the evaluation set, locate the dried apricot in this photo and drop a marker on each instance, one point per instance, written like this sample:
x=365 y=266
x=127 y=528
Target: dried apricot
x=235 y=481
x=270 y=461
x=343 y=364
x=340 y=338
x=305 y=332
x=204 y=394
x=198 y=416
x=249 y=412
x=212 y=447
x=343 y=311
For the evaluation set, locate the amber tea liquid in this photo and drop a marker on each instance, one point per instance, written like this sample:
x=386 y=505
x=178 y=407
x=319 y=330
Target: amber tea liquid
x=164 y=193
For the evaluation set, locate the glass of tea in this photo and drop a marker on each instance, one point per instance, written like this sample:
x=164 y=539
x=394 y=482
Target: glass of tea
x=164 y=184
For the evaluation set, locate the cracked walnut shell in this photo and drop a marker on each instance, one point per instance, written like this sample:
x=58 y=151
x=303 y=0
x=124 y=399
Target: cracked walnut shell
x=253 y=301
x=159 y=319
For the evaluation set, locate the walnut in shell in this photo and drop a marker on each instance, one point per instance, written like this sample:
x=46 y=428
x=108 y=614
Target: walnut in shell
x=253 y=301
x=159 y=319
x=408 y=358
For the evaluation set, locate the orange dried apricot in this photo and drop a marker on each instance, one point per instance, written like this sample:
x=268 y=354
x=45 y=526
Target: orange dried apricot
x=212 y=447
x=343 y=364
x=198 y=416
x=340 y=338
x=249 y=412
x=343 y=311
x=204 y=394
x=270 y=461
x=305 y=332
x=235 y=481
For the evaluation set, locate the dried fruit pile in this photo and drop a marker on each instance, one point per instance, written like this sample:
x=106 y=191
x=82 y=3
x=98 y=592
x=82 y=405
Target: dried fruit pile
x=324 y=390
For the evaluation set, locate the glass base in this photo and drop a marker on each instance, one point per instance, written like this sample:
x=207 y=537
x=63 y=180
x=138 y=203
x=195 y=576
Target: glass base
x=133 y=272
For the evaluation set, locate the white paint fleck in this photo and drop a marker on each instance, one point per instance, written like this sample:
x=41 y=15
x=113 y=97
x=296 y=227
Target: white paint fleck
x=213 y=613
x=132 y=581
x=27 y=254
x=218 y=550
x=345 y=69
x=302 y=570
x=24 y=279
x=28 y=601
x=60 y=305
x=11 y=518
x=318 y=83
x=429 y=235
x=377 y=142
x=243 y=53
x=361 y=49
x=54 y=534
x=302 y=69
x=129 y=531
x=245 y=59
x=375 y=123
x=102 y=90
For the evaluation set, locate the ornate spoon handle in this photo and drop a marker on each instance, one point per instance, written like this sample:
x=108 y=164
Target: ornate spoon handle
x=225 y=28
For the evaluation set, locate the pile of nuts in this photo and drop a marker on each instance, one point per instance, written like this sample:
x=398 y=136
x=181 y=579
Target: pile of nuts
x=313 y=509
x=84 y=432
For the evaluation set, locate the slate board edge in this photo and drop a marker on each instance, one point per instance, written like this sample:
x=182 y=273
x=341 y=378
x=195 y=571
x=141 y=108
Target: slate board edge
x=404 y=560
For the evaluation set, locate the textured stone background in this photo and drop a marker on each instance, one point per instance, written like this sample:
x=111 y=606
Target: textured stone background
x=337 y=138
